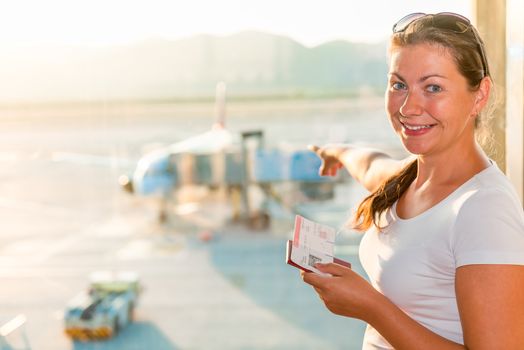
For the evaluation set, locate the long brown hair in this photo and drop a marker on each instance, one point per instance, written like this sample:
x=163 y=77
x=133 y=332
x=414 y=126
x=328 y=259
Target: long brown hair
x=464 y=48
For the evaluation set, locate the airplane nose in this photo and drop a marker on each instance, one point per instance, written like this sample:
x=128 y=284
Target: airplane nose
x=126 y=183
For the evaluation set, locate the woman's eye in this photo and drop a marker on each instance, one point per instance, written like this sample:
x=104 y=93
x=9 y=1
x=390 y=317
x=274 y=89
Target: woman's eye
x=398 y=86
x=433 y=88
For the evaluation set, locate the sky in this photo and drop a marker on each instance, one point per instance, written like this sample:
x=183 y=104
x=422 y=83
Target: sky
x=109 y=22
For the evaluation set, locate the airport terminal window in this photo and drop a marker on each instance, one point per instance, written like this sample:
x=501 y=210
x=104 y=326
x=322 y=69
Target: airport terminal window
x=150 y=183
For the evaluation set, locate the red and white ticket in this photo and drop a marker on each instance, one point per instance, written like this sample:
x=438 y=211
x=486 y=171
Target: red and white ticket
x=312 y=243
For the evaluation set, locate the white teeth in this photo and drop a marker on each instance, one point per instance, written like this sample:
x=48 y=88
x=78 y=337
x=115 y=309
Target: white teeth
x=418 y=127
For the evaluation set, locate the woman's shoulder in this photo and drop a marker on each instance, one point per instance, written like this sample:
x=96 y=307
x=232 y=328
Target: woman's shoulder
x=489 y=222
x=489 y=195
x=493 y=183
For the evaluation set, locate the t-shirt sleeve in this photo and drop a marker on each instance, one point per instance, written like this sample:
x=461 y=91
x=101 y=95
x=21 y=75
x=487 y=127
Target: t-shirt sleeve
x=489 y=230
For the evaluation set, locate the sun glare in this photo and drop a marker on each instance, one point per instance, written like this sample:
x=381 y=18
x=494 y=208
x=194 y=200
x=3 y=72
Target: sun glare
x=106 y=22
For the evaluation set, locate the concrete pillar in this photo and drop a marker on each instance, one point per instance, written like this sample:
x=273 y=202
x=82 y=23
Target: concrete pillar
x=489 y=16
x=515 y=95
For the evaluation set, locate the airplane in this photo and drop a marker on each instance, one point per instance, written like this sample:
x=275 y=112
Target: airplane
x=251 y=174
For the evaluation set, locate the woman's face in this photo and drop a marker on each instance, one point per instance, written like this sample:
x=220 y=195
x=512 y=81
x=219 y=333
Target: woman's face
x=428 y=101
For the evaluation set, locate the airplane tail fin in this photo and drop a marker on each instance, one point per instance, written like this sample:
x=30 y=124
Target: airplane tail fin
x=220 y=106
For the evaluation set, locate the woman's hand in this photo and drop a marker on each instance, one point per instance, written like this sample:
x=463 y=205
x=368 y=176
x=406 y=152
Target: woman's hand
x=369 y=167
x=330 y=156
x=345 y=292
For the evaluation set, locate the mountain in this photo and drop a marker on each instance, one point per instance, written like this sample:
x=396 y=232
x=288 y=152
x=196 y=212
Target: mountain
x=251 y=63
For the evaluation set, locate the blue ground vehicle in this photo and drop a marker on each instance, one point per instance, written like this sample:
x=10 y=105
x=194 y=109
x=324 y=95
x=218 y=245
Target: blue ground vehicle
x=103 y=310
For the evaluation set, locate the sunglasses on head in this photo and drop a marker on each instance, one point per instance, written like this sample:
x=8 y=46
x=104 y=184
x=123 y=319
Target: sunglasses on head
x=447 y=21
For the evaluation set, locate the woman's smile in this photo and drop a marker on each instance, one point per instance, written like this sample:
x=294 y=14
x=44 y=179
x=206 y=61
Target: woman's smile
x=416 y=129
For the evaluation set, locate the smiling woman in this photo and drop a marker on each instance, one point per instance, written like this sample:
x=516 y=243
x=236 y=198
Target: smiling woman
x=445 y=227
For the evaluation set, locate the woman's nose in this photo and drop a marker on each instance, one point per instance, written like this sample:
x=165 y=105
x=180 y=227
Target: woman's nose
x=412 y=105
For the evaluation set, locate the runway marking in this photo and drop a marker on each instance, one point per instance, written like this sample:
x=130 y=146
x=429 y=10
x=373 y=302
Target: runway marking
x=43 y=252
x=136 y=249
x=59 y=246
x=8 y=156
x=33 y=206
x=91 y=159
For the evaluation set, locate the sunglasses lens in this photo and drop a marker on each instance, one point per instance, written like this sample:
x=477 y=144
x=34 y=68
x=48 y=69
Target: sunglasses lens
x=443 y=20
x=404 y=22
x=451 y=22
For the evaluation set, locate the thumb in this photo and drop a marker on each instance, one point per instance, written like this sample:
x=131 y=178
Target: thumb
x=332 y=269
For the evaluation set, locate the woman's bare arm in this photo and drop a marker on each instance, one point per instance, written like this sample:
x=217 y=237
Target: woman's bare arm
x=491 y=303
x=368 y=166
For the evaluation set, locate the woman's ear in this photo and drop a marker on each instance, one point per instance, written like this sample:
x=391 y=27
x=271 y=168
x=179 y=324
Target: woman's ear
x=482 y=94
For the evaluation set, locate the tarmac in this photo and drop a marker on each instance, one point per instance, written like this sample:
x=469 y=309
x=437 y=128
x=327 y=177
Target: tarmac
x=205 y=286
x=63 y=216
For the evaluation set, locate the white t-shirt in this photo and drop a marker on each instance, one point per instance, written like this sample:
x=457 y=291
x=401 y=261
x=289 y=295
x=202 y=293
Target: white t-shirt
x=413 y=261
